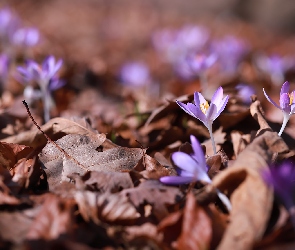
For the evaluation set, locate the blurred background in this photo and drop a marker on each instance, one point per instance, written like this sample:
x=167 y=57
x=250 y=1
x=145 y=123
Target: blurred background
x=160 y=49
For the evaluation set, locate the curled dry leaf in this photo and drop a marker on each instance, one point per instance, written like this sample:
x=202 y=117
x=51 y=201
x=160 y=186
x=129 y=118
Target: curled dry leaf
x=55 y=128
x=10 y=153
x=242 y=182
x=83 y=149
x=150 y=168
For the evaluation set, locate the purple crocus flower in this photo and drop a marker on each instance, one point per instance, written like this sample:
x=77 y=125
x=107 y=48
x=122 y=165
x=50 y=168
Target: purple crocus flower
x=230 y=51
x=46 y=78
x=244 y=92
x=204 y=112
x=287 y=104
x=26 y=37
x=282 y=178
x=191 y=167
x=135 y=74
x=174 y=44
x=8 y=24
x=275 y=66
x=195 y=65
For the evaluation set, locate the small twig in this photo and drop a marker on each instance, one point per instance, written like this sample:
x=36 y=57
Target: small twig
x=51 y=141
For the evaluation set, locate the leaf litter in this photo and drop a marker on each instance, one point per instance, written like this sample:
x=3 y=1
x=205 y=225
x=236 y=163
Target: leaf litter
x=96 y=183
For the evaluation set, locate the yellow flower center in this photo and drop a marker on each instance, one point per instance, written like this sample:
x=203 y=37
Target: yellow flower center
x=291 y=96
x=204 y=107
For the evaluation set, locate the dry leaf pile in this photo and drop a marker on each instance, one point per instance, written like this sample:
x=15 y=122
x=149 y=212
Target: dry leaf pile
x=95 y=183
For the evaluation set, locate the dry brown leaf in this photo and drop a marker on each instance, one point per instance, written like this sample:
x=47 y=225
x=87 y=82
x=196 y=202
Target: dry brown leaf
x=83 y=149
x=154 y=193
x=106 y=207
x=170 y=228
x=10 y=153
x=102 y=181
x=54 y=219
x=167 y=108
x=55 y=128
x=14 y=225
x=150 y=168
x=239 y=141
x=196 y=227
x=242 y=182
x=214 y=164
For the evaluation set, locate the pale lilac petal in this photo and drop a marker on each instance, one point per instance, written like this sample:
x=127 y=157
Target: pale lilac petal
x=198 y=154
x=57 y=66
x=211 y=112
x=221 y=106
x=217 y=97
x=284 y=102
x=185 y=162
x=199 y=99
x=185 y=108
x=197 y=112
x=176 y=180
x=285 y=88
x=270 y=100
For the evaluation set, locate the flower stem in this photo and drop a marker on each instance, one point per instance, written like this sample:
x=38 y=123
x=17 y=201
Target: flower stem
x=285 y=121
x=212 y=138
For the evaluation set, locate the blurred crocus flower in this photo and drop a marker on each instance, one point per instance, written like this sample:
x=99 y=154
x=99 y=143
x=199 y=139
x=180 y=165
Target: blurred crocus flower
x=174 y=44
x=282 y=179
x=135 y=74
x=204 y=112
x=26 y=37
x=230 y=51
x=287 y=104
x=8 y=24
x=275 y=66
x=192 y=167
x=244 y=92
x=46 y=78
x=195 y=65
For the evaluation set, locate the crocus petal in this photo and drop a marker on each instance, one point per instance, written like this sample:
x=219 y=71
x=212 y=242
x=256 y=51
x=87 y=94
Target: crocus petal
x=185 y=162
x=176 y=180
x=217 y=97
x=211 y=112
x=221 y=106
x=199 y=99
x=185 y=108
x=270 y=100
x=198 y=152
x=197 y=112
x=285 y=88
x=284 y=102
